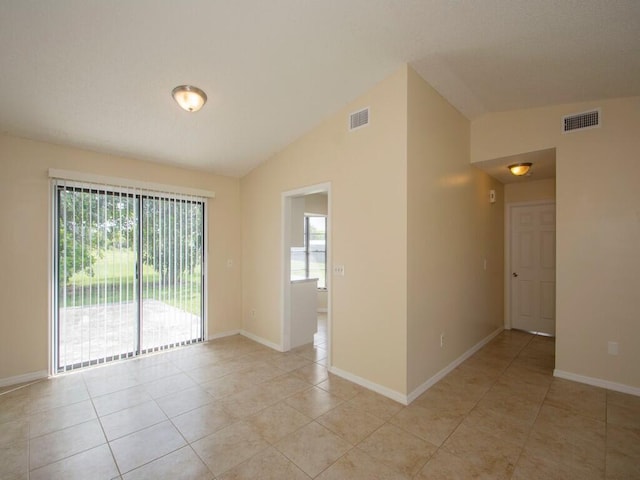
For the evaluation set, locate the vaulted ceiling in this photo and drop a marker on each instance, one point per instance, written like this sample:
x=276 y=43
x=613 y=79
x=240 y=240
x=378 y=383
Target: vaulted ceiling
x=98 y=74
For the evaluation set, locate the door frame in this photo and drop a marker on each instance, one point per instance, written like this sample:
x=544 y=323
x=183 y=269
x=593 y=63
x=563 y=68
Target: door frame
x=285 y=300
x=509 y=207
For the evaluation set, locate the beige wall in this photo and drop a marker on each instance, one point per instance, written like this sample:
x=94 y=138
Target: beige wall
x=367 y=171
x=25 y=250
x=598 y=228
x=452 y=228
x=411 y=223
x=316 y=203
x=532 y=191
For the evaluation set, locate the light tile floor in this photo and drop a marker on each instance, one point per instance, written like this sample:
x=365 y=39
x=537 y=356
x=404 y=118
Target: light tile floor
x=233 y=409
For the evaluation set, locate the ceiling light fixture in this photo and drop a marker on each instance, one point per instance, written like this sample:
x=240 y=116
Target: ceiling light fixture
x=189 y=98
x=519 y=169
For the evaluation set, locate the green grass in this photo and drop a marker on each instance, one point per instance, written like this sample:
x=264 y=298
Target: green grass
x=112 y=266
x=113 y=281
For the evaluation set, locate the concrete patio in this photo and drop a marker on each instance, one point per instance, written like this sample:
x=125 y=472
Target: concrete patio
x=88 y=334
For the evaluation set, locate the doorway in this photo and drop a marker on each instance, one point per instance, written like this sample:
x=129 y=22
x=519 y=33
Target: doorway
x=306 y=247
x=129 y=273
x=532 y=267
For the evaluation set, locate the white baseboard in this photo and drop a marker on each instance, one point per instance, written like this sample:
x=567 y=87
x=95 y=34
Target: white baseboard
x=261 y=340
x=27 y=377
x=250 y=336
x=407 y=399
x=223 y=334
x=363 y=382
x=446 y=370
x=597 y=382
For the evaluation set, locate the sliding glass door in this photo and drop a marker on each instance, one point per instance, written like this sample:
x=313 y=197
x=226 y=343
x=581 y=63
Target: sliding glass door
x=129 y=276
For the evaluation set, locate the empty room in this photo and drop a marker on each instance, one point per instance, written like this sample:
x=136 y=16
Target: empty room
x=319 y=240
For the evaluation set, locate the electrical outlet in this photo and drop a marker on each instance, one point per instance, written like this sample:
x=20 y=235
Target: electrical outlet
x=442 y=340
x=253 y=313
x=229 y=263
x=613 y=348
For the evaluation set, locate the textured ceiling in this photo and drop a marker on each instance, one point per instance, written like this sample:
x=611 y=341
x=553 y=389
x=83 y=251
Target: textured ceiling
x=98 y=74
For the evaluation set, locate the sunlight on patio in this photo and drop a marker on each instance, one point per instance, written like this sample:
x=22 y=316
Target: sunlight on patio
x=109 y=331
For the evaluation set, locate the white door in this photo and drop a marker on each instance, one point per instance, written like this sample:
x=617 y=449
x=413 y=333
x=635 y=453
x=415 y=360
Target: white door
x=533 y=268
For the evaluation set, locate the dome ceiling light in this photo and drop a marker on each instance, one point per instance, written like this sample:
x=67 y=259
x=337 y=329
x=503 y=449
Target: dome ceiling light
x=519 y=169
x=189 y=98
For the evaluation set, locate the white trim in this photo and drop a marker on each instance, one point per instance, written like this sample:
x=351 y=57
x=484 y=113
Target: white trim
x=51 y=281
x=285 y=265
x=508 y=207
x=27 y=377
x=507 y=267
x=230 y=333
x=328 y=281
x=205 y=270
x=449 y=368
x=322 y=310
x=387 y=392
x=598 y=382
x=261 y=340
x=127 y=182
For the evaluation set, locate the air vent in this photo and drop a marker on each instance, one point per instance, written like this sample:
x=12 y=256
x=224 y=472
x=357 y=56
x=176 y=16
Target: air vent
x=581 y=121
x=359 y=119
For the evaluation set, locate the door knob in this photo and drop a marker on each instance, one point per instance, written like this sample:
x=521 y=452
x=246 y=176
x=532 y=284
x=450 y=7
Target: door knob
x=514 y=274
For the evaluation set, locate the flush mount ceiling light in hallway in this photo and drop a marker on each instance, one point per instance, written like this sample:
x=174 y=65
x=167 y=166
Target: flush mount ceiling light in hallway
x=189 y=98
x=519 y=169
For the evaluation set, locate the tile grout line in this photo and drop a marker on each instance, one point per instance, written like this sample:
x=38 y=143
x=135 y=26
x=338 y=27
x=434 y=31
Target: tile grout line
x=269 y=444
x=534 y=420
x=113 y=457
x=466 y=415
x=188 y=444
x=441 y=446
x=61 y=430
x=533 y=358
x=353 y=447
x=244 y=419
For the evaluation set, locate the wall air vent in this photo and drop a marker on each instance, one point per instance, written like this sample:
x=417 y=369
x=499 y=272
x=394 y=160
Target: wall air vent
x=581 y=121
x=359 y=119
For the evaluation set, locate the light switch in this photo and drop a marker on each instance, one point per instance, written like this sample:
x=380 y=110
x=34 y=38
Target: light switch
x=338 y=270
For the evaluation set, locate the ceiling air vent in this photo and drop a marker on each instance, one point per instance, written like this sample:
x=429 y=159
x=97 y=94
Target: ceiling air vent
x=359 y=119
x=581 y=121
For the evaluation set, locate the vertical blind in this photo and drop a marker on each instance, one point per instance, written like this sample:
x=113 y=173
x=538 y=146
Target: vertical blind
x=129 y=272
